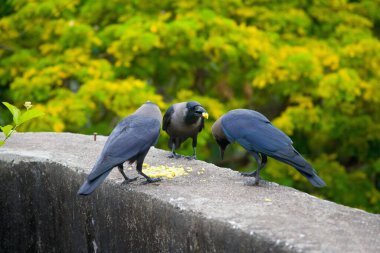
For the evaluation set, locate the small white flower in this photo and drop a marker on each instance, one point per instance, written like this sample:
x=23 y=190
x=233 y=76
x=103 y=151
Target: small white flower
x=28 y=105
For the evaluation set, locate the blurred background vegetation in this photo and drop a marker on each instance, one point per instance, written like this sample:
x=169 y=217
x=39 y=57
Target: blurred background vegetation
x=311 y=66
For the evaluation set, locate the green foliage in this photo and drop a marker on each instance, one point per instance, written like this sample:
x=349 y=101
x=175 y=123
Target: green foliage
x=6 y=130
x=15 y=112
x=313 y=67
x=18 y=118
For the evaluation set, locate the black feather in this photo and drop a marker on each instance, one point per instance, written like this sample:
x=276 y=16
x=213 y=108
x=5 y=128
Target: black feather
x=202 y=125
x=130 y=139
x=182 y=121
x=255 y=133
x=192 y=104
x=167 y=117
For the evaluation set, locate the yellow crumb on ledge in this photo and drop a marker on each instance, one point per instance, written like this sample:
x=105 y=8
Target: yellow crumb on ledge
x=201 y=171
x=164 y=171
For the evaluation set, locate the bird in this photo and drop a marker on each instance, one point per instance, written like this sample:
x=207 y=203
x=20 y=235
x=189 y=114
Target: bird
x=182 y=121
x=129 y=141
x=256 y=134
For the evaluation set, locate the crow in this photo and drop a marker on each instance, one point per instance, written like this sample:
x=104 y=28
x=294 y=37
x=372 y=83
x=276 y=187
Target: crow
x=129 y=141
x=255 y=133
x=181 y=121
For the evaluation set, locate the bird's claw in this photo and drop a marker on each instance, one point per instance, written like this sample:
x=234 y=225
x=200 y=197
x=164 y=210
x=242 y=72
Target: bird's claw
x=126 y=181
x=152 y=180
x=176 y=156
x=193 y=157
x=252 y=182
x=248 y=174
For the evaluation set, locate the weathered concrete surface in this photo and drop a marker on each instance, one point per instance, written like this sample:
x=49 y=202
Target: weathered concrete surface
x=40 y=174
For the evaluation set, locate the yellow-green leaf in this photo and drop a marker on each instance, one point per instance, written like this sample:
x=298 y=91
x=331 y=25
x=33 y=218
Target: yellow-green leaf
x=2 y=143
x=30 y=114
x=6 y=129
x=15 y=112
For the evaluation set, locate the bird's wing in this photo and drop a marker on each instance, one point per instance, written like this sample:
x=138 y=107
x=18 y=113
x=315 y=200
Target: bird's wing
x=254 y=132
x=167 y=117
x=132 y=136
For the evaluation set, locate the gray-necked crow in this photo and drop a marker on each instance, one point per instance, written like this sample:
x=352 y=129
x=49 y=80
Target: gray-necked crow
x=181 y=121
x=255 y=133
x=129 y=141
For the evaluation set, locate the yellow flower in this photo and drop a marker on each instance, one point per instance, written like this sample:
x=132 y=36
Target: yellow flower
x=153 y=29
x=58 y=127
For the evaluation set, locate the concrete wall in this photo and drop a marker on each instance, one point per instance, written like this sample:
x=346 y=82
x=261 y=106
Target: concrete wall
x=210 y=211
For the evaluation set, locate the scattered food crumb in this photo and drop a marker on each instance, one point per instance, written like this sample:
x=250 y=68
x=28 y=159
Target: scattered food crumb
x=165 y=171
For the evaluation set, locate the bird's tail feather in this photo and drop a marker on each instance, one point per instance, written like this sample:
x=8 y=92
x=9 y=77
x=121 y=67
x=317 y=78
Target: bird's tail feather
x=89 y=186
x=317 y=181
x=313 y=178
x=293 y=158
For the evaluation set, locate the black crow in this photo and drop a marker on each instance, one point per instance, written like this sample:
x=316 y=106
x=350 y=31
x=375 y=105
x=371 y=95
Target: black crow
x=181 y=121
x=255 y=133
x=129 y=141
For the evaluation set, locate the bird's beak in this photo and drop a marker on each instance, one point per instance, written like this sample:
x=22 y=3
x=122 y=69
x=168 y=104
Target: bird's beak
x=205 y=115
x=221 y=152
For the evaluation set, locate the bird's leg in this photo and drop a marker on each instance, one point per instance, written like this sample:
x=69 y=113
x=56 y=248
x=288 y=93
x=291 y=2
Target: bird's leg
x=148 y=179
x=173 y=154
x=256 y=173
x=263 y=161
x=127 y=179
x=194 y=156
x=249 y=174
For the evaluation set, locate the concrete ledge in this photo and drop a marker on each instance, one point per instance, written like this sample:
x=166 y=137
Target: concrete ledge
x=40 y=174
